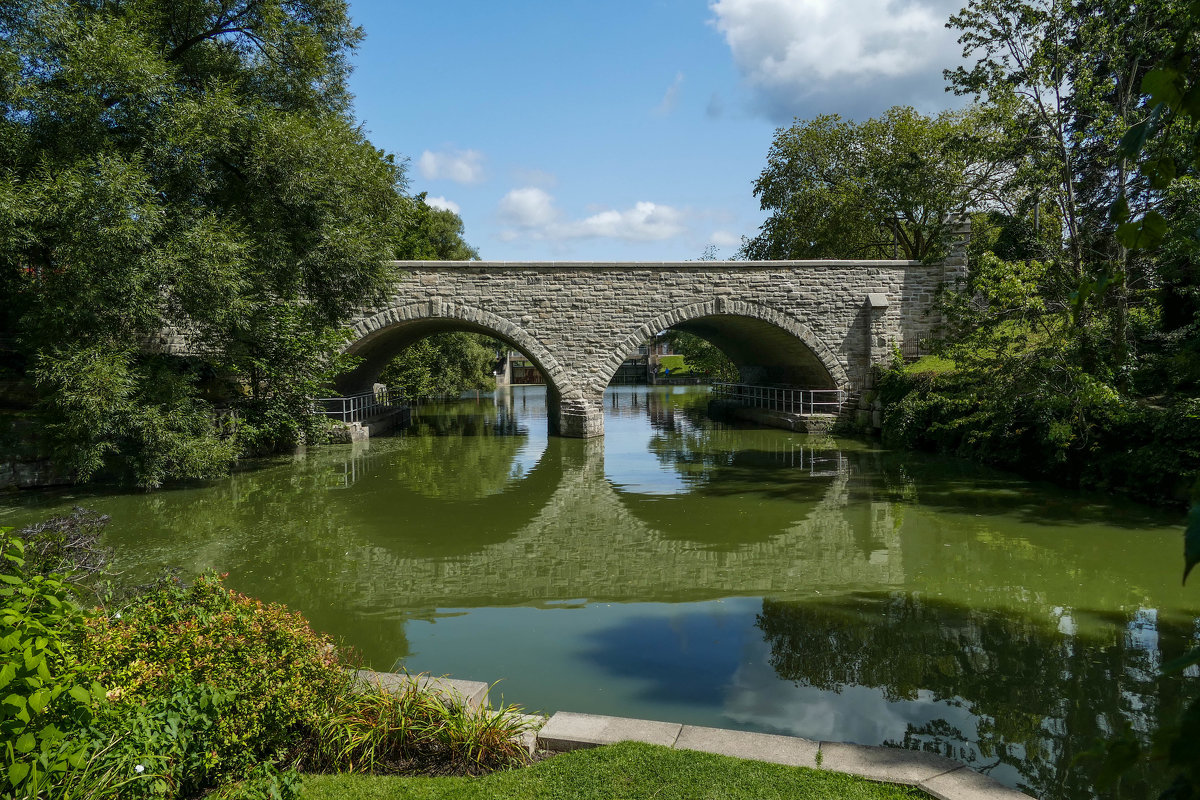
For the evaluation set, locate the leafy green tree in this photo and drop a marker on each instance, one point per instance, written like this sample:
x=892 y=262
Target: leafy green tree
x=433 y=234
x=702 y=356
x=189 y=163
x=1065 y=77
x=444 y=364
x=878 y=189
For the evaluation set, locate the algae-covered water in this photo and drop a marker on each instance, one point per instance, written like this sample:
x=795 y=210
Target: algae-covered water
x=686 y=570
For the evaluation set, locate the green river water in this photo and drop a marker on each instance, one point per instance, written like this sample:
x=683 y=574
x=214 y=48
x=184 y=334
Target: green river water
x=693 y=571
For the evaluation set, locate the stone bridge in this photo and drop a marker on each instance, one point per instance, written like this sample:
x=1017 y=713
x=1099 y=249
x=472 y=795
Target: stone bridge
x=811 y=324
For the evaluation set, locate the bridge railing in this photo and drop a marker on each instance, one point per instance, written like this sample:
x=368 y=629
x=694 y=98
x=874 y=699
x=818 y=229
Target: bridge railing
x=805 y=402
x=356 y=407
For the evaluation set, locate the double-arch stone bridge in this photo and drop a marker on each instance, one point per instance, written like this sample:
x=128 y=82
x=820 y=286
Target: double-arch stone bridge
x=811 y=324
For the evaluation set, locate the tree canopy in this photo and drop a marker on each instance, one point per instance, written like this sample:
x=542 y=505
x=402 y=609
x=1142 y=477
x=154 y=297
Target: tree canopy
x=882 y=188
x=187 y=163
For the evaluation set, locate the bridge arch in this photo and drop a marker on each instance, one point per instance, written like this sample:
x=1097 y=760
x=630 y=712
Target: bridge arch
x=380 y=336
x=742 y=330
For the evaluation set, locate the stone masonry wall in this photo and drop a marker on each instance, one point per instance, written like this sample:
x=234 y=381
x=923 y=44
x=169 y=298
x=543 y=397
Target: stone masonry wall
x=579 y=321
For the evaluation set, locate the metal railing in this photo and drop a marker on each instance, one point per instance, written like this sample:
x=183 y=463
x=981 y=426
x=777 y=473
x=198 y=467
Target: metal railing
x=356 y=407
x=804 y=402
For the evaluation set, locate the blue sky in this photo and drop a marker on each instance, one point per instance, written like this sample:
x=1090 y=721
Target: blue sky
x=625 y=130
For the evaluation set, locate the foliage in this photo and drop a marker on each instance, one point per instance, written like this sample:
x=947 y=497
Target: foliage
x=411 y=729
x=189 y=164
x=166 y=746
x=628 y=770
x=47 y=686
x=702 y=356
x=876 y=189
x=444 y=364
x=1062 y=79
x=102 y=403
x=284 y=676
x=433 y=234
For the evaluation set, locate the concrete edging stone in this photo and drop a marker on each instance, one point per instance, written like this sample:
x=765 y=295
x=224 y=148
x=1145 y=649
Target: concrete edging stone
x=943 y=778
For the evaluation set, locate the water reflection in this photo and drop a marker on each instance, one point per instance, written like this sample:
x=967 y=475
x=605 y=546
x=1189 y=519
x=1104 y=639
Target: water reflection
x=1018 y=696
x=685 y=570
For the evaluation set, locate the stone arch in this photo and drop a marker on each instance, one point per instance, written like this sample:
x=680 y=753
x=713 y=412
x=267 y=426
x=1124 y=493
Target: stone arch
x=720 y=308
x=370 y=334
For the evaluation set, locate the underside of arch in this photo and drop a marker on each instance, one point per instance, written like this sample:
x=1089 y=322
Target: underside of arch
x=767 y=346
x=379 y=338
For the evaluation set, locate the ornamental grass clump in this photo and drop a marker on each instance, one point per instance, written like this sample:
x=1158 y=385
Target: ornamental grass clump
x=415 y=730
x=274 y=679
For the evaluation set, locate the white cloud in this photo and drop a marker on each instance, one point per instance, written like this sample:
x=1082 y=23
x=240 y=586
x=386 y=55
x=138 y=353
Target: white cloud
x=533 y=213
x=529 y=207
x=724 y=239
x=860 y=53
x=461 y=166
x=670 y=97
x=442 y=203
x=645 y=222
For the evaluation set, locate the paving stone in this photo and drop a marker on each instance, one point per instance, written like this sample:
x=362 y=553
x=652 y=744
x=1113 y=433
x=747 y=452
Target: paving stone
x=889 y=764
x=790 y=750
x=567 y=730
x=529 y=737
x=967 y=784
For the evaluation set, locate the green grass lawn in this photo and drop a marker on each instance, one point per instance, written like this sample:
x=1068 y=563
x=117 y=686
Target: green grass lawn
x=626 y=771
x=935 y=365
x=676 y=364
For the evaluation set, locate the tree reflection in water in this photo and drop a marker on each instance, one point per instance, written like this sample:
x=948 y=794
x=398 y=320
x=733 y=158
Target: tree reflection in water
x=1040 y=691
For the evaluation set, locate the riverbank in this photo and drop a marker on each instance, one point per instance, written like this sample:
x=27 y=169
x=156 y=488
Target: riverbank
x=1091 y=439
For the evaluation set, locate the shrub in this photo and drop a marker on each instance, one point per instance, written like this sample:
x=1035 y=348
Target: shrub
x=283 y=677
x=167 y=748
x=413 y=729
x=49 y=696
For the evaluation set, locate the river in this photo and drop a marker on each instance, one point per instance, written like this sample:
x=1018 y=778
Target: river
x=700 y=572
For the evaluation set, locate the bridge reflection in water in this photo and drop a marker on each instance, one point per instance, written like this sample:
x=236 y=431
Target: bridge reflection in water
x=684 y=570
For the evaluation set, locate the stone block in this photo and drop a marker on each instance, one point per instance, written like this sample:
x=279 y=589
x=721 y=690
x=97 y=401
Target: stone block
x=790 y=750
x=967 y=784
x=568 y=730
x=888 y=764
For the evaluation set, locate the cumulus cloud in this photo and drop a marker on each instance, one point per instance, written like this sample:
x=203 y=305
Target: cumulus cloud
x=531 y=212
x=645 y=222
x=529 y=207
x=724 y=239
x=853 y=56
x=461 y=166
x=670 y=97
x=442 y=203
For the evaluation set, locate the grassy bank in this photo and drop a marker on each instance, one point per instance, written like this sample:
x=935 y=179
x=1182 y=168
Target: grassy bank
x=628 y=770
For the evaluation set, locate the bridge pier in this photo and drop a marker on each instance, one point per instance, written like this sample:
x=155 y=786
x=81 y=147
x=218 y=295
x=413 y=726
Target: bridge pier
x=575 y=417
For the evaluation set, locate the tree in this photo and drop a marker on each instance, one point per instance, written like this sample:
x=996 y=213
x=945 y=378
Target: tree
x=1065 y=75
x=443 y=365
x=702 y=356
x=191 y=163
x=433 y=234
x=878 y=189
